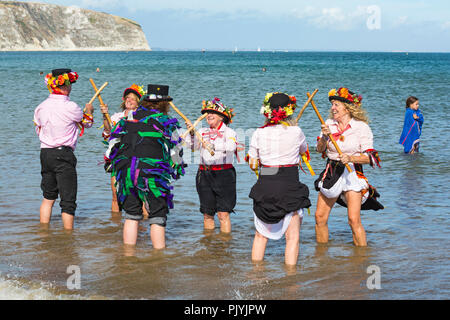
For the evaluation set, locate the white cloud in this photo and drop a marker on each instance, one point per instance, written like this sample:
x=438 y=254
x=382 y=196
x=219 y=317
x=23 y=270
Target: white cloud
x=446 y=25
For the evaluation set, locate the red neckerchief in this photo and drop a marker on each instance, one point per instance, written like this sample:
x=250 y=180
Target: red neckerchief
x=338 y=134
x=214 y=132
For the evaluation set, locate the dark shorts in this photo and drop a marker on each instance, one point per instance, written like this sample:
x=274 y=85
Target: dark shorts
x=156 y=207
x=59 y=177
x=216 y=190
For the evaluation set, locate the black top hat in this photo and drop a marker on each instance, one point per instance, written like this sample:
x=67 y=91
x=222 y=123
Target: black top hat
x=279 y=100
x=156 y=93
x=57 y=72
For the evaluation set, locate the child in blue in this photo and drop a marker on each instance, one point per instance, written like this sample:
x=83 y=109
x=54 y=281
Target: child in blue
x=412 y=126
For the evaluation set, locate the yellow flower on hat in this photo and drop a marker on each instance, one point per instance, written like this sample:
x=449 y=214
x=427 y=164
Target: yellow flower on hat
x=332 y=92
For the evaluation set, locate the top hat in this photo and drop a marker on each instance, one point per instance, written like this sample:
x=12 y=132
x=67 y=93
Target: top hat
x=156 y=93
x=345 y=95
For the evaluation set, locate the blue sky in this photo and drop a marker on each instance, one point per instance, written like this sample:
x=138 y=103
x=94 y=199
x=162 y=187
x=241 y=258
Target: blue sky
x=373 y=25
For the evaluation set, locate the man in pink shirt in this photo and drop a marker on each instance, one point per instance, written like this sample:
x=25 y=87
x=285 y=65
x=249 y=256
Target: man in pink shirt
x=58 y=122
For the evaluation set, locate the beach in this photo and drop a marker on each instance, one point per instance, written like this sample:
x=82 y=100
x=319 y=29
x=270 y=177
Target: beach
x=408 y=241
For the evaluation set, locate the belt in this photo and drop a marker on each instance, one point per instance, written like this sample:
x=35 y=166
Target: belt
x=63 y=148
x=280 y=166
x=216 y=167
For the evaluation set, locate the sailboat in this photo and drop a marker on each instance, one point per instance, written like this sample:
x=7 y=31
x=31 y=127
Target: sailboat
x=259 y=49
x=235 y=50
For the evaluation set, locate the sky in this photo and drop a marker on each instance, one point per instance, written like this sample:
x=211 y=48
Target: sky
x=321 y=25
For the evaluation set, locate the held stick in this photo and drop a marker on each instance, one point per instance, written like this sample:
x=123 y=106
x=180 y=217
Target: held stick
x=98 y=92
x=196 y=132
x=329 y=136
x=183 y=136
x=108 y=118
x=305 y=105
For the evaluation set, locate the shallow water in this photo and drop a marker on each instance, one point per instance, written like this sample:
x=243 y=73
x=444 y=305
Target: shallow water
x=408 y=241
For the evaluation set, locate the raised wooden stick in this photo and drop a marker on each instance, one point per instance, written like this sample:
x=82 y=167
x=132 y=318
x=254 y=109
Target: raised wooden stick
x=306 y=104
x=203 y=116
x=100 y=100
x=206 y=145
x=330 y=136
x=98 y=92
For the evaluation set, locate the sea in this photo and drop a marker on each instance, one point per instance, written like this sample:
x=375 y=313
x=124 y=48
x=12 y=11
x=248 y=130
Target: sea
x=407 y=256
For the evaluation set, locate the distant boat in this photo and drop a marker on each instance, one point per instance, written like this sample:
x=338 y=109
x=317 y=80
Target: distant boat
x=235 y=50
x=259 y=49
x=203 y=50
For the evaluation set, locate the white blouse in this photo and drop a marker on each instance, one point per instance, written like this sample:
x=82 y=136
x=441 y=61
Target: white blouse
x=356 y=139
x=278 y=145
x=224 y=141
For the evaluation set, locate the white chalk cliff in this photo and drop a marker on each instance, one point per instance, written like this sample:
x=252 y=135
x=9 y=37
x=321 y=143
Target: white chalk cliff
x=27 y=26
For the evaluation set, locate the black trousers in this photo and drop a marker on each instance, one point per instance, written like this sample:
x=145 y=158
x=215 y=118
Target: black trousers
x=59 y=177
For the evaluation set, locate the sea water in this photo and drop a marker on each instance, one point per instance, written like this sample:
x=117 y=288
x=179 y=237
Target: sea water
x=408 y=241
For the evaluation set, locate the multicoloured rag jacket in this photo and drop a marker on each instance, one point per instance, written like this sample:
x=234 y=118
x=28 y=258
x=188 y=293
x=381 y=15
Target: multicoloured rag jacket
x=145 y=153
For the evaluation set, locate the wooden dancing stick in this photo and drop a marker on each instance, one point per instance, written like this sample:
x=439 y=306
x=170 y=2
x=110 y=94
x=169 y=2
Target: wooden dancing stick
x=306 y=104
x=330 y=136
x=100 y=100
x=203 y=116
x=98 y=92
x=206 y=145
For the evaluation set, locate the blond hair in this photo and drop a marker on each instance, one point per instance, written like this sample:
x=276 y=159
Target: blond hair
x=136 y=98
x=357 y=113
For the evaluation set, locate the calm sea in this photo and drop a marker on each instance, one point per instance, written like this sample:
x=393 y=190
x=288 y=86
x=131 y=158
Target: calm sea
x=408 y=242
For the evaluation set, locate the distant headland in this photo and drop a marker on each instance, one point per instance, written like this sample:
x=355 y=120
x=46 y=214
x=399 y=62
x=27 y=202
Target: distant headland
x=27 y=26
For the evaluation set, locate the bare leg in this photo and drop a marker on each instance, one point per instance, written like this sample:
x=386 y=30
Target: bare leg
x=158 y=236
x=225 y=223
x=354 y=218
x=259 y=247
x=208 y=221
x=130 y=231
x=45 y=210
x=67 y=220
x=323 y=209
x=292 y=240
x=114 y=203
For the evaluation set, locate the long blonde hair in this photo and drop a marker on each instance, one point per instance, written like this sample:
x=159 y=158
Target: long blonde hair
x=357 y=113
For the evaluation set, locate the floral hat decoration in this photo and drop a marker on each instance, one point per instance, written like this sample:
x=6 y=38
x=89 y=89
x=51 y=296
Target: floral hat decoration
x=345 y=95
x=60 y=77
x=277 y=106
x=218 y=107
x=137 y=90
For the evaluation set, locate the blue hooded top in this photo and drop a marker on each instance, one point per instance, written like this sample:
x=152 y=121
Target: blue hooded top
x=412 y=129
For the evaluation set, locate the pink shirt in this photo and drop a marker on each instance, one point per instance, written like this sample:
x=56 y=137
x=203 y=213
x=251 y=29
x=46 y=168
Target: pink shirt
x=56 y=121
x=356 y=139
x=278 y=145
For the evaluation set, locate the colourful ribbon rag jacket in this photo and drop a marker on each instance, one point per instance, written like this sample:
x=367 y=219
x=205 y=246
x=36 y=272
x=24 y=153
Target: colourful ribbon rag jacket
x=145 y=153
x=412 y=129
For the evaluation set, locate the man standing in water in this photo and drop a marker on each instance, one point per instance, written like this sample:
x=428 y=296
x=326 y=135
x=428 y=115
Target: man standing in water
x=58 y=123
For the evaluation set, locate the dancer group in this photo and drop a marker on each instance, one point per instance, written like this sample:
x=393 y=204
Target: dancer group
x=145 y=154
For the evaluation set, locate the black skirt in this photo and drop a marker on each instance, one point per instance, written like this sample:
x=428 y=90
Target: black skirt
x=277 y=193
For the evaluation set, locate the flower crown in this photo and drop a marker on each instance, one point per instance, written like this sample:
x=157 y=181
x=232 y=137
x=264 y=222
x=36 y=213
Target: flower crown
x=343 y=94
x=139 y=89
x=277 y=115
x=63 y=79
x=216 y=106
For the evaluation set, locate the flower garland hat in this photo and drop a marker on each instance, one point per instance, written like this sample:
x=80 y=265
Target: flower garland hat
x=345 y=95
x=137 y=90
x=60 y=77
x=219 y=108
x=157 y=93
x=277 y=106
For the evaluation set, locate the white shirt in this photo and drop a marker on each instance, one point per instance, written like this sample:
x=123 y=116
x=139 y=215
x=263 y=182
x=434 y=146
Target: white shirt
x=224 y=141
x=278 y=145
x=356 y=139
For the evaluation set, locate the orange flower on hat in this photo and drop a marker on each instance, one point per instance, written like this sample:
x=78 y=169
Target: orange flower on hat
x=343 y=92
x=61 y=80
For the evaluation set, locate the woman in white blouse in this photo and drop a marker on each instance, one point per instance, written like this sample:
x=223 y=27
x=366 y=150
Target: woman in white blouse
x=278 y=195
x=348 y=127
